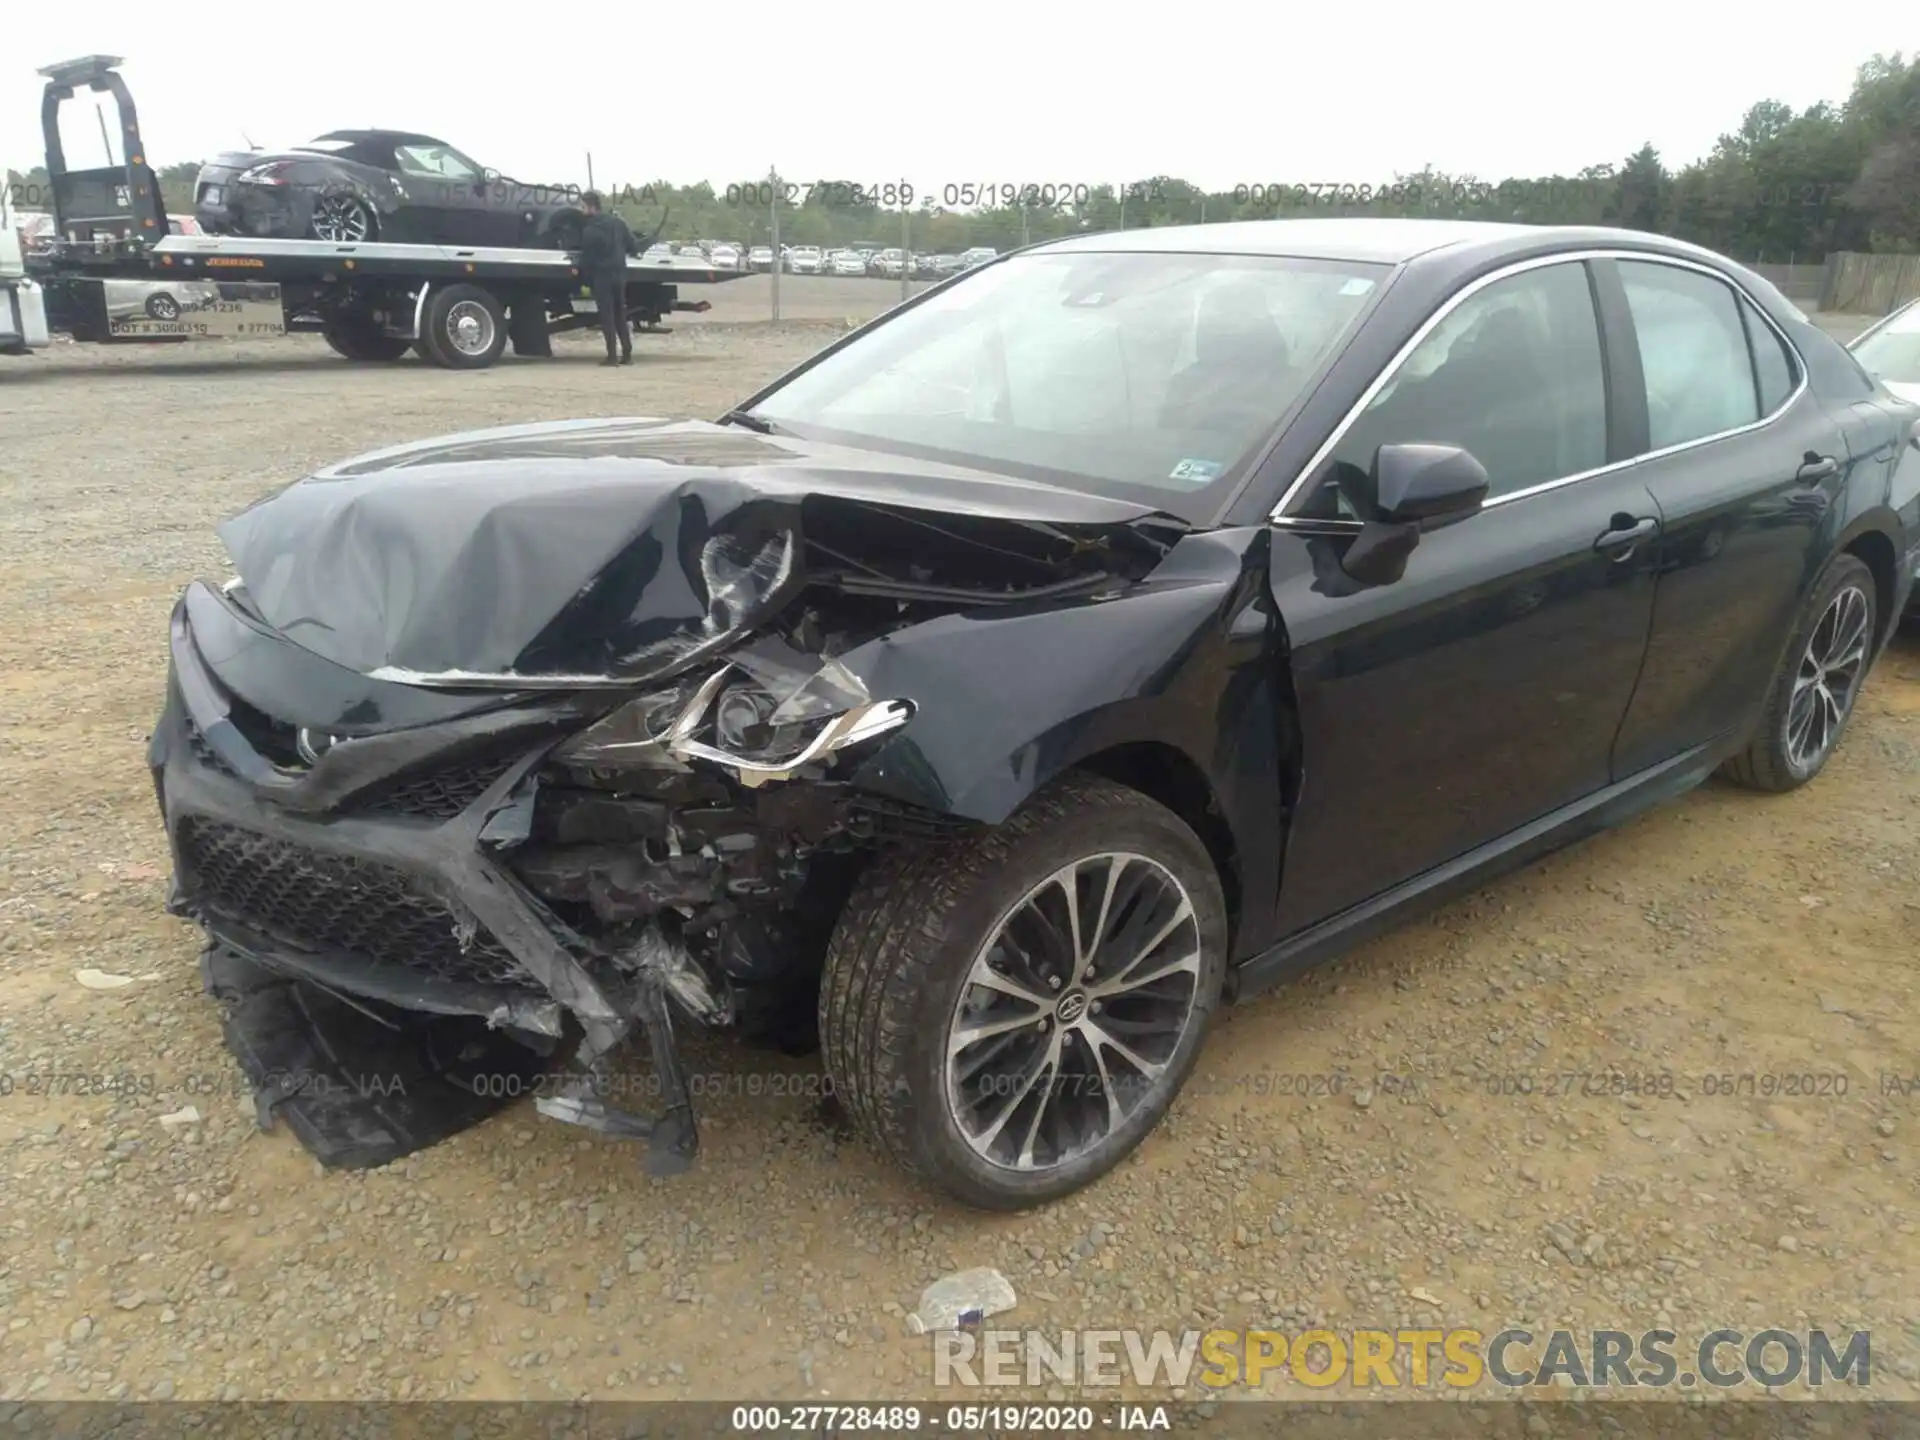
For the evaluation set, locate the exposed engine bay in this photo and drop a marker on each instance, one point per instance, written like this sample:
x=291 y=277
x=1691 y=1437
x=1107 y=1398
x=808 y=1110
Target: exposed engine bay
x=636 y=787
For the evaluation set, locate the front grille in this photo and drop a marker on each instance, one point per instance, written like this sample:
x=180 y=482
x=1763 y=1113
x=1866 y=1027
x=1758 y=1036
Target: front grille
x=437 y=795
x=321 y=902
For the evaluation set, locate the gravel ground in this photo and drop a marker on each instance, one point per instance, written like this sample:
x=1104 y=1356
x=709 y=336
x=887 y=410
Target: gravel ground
x=1725 y=934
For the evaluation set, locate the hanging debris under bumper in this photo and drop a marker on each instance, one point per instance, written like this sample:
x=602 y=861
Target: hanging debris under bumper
x=487 y=876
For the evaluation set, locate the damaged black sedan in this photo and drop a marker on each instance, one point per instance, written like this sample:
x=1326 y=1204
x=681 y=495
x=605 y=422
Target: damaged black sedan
x=1105 y=634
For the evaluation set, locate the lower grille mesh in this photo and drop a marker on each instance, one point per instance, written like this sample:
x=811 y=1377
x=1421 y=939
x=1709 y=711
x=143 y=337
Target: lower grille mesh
x=323 y=902
x=439 y=794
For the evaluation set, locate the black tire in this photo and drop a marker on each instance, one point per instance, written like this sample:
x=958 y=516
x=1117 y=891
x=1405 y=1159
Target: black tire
x=899 y=962
x=162 y=306
x=445 y=338
x=1772 y=760
x=357 y=338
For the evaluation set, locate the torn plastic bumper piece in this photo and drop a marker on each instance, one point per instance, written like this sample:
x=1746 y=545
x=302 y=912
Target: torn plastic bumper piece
x=358 y=1085
x=319 y=993
x=673 y=1140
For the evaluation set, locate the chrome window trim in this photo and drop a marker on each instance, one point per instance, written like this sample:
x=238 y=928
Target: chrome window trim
x=1521 y=267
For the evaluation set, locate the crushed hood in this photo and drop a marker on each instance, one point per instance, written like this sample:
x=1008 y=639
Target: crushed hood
x=619 y=550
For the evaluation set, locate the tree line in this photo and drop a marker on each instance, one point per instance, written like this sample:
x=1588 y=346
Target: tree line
x=1783 y=186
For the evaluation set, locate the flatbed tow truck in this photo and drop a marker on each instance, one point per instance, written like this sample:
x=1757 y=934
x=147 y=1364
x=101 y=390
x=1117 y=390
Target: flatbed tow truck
x=113 y=272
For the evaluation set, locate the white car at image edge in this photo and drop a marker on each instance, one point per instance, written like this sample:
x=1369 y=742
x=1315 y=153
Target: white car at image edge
x=1889 y=349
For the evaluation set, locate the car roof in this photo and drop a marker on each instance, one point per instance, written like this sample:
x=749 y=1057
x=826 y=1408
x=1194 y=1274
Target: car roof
x=386 y=137
x=1377 y=239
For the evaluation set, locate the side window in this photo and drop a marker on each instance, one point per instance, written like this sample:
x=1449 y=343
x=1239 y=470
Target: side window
x=1773 y=364
x=1512 y=374
x=1693 y=352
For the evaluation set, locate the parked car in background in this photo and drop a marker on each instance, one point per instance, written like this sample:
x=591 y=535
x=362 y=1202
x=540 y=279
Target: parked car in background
x=889 y=263
x=1890 y=351
x=945 y=265
x=848 y=262
x=1173 y=611
x=690 y=255
x=35 y=228
x=724 y=257
x=760 y=258
x=363 y=185
x=658 y=255
x=805 y=260
x=978 y=255
x=164 y=301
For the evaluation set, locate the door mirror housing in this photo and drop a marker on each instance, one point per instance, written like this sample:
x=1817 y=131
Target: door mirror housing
x=1413 y=488
x=1426 y=485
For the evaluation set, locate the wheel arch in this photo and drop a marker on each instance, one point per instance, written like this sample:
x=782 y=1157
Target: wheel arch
x=1870 y=543
x=1169 y=776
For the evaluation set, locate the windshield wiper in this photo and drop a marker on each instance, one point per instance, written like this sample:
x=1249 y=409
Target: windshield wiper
x=747 y=420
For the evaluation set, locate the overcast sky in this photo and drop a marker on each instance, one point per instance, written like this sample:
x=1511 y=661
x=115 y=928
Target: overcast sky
x=1222 y=92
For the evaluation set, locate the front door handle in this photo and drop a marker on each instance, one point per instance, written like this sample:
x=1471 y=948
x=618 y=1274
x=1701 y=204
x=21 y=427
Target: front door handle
x=1626 y=535
x=1817 y=467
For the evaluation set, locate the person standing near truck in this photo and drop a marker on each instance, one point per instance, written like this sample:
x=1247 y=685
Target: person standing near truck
x=605 y=244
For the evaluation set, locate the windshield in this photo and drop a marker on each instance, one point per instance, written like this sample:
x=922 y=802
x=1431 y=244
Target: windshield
x=1892 y=353
x=1146 y=375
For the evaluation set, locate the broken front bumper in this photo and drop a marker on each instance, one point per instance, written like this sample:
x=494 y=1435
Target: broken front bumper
x=370 y=873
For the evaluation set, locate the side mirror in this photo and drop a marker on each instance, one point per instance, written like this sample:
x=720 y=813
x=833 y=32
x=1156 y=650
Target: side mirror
x=1426 y=485
x=1413 y=488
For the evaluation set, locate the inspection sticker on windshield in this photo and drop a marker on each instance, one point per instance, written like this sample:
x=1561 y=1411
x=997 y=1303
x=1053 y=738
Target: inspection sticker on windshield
x=1196 y=472
x=1356 y=286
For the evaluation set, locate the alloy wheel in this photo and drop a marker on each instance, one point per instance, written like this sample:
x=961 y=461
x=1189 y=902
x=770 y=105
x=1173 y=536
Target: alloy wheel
x=470 y=328
x=1828 y=678
x=342 y=219
x=1072 y=1011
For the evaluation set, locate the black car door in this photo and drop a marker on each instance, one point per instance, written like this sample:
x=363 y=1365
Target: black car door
x=1747 y=464
x=1483 y=689
x=458 y=204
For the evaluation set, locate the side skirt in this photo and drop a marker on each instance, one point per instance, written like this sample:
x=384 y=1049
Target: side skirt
x=1599 y=811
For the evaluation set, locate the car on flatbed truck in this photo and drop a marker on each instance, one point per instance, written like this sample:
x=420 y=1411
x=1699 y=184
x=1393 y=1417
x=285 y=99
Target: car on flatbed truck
x=353 y=186
x=455 y=305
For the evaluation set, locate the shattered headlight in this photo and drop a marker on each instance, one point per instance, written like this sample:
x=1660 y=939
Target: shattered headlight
x=761 y=716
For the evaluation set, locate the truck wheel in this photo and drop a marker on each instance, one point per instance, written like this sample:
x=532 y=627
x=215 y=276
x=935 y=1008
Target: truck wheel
x=464 y=328
x=357 y=338
x=1811 y=699
x=1009 y=1015
x=162 y=306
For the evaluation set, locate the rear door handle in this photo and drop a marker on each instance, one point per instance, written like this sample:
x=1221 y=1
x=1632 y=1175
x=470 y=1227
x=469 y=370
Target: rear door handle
x=1626 y=535
x=1817 y=467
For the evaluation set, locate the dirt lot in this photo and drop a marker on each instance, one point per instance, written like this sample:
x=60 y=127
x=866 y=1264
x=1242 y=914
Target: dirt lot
x=1726 y=935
